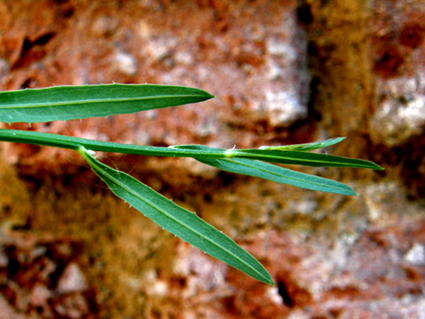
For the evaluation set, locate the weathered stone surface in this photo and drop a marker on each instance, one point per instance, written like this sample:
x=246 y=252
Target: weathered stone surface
x=35 y=265
x=330 y=256
x=397 y=45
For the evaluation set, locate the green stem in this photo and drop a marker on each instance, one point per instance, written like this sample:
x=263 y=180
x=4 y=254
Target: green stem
x=194 y=151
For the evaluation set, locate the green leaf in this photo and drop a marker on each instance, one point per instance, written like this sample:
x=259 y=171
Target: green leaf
x=301 y=158
x=177 y=220
x=279 y=174
x=78 y=102
x=282 y=157
x=306 y=146
x=274 y=173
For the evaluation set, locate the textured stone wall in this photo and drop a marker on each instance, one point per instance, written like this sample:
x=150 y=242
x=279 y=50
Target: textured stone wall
x=283 y=72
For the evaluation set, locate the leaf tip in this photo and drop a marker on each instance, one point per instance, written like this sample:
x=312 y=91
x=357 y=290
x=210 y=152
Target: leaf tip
x=267 y=280
x=374 y=166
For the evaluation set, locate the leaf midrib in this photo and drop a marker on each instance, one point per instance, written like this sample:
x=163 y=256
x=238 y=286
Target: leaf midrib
x=94 y=101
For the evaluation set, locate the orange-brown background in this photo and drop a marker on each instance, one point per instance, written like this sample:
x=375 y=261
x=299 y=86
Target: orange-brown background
x=283 y=72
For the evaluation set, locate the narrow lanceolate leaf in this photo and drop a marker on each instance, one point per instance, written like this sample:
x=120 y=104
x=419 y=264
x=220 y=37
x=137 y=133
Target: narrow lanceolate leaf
x=177 y=220
x=274 y=173
x=79 y=102
x=279 y=174
x=282 y=157
x=301 y=158
x=306 y=146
